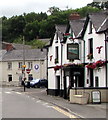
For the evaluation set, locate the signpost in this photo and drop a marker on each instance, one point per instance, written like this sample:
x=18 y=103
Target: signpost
x=96 y=97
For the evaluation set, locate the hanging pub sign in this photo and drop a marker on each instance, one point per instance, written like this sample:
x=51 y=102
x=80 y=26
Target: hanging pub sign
x=72 y=51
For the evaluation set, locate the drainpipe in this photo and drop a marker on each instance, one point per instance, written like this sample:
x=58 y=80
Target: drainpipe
x=106 y=57
x=84 y=61
x=47 y=67
x=61 y=67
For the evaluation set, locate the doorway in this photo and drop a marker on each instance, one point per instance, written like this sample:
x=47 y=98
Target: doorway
x=58 y=84
x=9 y=78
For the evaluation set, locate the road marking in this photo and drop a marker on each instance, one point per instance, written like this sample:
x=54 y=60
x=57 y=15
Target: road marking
x=8 y=92
x=64 y=112
x=18 y=93
x=38 y=101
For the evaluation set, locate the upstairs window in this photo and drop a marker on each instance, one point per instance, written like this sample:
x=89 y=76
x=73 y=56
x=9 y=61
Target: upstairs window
x=20 y=65
x=90 y=27
x=56 y=55
x=90 y=42
x=9 y=65
x=56 y=41
x=30 y=65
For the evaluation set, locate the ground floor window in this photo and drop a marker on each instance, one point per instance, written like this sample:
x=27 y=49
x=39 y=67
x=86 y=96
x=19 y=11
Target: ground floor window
x=30 y=77
x=9 y=78
x=96 y=81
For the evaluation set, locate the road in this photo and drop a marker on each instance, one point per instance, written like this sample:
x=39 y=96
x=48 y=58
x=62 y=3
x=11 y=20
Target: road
x=20 y=105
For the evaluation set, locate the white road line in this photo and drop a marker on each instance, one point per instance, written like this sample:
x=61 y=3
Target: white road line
x=38 y=101
x=8 y=92
x=18 y=93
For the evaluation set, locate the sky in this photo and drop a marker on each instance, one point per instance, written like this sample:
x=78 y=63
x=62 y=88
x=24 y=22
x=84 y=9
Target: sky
x=11 y=8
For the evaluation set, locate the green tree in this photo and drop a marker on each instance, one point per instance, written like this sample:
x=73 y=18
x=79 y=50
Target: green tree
x=31 y=30
x=99 y=5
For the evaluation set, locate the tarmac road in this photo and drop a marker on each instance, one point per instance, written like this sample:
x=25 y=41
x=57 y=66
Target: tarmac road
x=19 y=105
x=94 y=111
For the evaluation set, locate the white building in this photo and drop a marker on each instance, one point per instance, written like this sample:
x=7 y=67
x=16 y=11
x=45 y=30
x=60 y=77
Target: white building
x=68 y=52
x=94 y=35
x=62 y=66
x=12 y=61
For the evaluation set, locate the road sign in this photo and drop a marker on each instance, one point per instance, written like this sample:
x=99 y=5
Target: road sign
x=96 y=97
x=28 y=70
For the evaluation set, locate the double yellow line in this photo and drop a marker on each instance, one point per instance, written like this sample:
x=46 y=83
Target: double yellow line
x=64 y=112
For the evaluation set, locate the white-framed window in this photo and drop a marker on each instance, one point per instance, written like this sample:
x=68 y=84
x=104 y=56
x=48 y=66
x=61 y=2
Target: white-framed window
x=90 y=27
x=20 y=65
x=30 y=65
x=9 y=65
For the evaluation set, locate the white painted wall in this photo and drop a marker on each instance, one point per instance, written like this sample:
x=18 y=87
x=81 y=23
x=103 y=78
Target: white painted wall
x=98 y=40
x=16 y=72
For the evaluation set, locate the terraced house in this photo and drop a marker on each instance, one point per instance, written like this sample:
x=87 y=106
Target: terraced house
x=77 y=57
x=11 y=63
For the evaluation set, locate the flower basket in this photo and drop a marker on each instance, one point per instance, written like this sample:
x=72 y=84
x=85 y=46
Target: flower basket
x=90 y=56
x=57 y=67
x=100 y=63
x=91 y=66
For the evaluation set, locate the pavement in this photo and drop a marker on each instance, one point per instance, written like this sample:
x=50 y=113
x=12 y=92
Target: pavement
x=88 y=111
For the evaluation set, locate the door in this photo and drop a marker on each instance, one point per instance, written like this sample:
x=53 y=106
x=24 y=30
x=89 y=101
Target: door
x=9 y=78
x=58 y=85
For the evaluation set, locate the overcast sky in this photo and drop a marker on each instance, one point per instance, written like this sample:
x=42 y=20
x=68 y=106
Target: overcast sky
x=9 y=8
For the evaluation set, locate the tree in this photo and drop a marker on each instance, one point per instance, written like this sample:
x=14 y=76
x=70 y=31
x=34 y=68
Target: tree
x=31 y=30
x=99 y=5
x=53 y=10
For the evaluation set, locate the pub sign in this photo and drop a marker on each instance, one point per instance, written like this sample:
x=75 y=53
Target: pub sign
x=72 y=51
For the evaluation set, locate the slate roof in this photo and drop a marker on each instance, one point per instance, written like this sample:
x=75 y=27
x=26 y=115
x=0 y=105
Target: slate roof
x=60 y=29
x=76 y=26
x=2 y=52
x=20 y=46
x=99 y=20
x=30 y=54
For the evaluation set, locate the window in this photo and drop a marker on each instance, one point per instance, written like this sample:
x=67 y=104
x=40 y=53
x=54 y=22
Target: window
x=56 y=41
x=96 y=81
x=90 y=46
x=30 y=77
x=9 y=78
x=20 y=65
x=9 y=65
x=90 y=28
x=30 y=65
x=56 y=55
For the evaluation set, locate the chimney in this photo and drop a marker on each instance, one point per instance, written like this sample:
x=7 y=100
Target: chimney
x=9 y=47
x=74 y=16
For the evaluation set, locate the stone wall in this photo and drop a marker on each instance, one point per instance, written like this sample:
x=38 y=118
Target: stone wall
x=80 y=93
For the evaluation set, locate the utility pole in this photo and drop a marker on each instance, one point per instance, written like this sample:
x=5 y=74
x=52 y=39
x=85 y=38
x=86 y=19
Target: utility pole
x=23 y=66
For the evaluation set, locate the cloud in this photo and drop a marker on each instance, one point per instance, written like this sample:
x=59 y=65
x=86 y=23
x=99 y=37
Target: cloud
x=17 y=7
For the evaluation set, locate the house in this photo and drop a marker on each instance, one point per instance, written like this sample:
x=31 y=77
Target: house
x=77 y=58
x=54 y=59
x=94 y=35
x=61 y=63
x=11 y=63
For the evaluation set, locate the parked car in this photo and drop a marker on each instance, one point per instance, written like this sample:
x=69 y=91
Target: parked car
x=33 y=82
x=39 y=83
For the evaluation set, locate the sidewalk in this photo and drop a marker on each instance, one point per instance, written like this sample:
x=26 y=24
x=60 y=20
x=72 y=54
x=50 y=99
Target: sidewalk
x=82 y=111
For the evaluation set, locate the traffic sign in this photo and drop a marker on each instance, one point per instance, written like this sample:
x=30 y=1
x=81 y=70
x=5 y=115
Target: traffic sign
x=28 y=70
